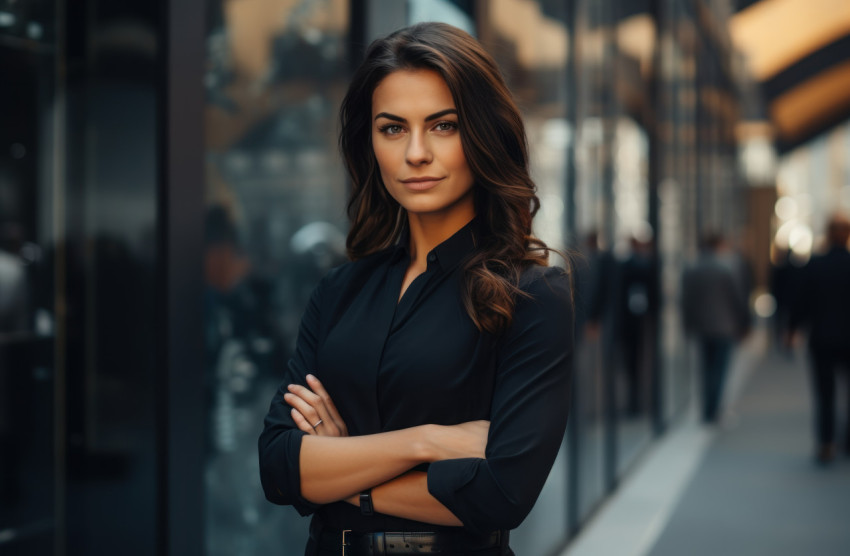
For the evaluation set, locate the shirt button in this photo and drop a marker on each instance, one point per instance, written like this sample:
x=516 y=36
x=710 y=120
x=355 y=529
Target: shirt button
x=432 y=257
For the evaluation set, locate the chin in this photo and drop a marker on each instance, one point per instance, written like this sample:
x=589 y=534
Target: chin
x=428 y=208
x=424 y=208
x=431 y=204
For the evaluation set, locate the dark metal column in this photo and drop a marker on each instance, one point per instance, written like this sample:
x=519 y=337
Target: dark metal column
x=571 y=232
x=180 y=411
x=656 y=146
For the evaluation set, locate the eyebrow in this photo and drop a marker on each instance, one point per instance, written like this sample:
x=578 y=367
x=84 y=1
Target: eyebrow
x=433 y=116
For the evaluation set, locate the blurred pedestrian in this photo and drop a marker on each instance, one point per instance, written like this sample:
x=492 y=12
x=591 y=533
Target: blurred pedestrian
x=785 y=274
x=637 y=307
x=715 y=311
x=823 y=307
x=593 y=275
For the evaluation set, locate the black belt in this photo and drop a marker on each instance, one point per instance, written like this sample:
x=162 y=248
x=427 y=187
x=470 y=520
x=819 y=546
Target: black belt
x=353 y=543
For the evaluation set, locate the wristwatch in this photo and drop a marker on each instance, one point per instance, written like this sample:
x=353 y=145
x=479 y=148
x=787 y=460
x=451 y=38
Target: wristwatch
x=366 y=507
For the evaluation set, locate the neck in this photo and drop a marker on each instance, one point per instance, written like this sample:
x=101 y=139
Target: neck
x=429 y=230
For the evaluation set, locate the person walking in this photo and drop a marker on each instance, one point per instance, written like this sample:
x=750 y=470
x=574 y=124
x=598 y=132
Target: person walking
x=637 y=310
x=823 y=307
x=715 y=311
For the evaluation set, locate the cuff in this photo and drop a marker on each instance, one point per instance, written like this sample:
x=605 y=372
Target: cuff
x=293 y=484
x=447 y=477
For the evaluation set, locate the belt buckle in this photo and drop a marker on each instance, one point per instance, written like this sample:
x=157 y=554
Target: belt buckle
x=344 y=544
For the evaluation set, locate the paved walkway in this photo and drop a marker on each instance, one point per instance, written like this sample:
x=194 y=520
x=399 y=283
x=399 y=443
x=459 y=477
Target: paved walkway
x=748 y=488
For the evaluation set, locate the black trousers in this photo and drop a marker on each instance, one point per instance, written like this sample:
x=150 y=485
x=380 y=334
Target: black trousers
x=716 y=353
x=825 y=367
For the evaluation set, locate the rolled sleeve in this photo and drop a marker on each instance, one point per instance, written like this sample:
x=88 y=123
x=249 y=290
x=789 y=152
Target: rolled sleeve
x=280 y=442
x=528 y=416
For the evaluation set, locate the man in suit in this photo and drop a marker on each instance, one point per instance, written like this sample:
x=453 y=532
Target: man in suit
x=823 y=306
x=636 y=317
x=716 y=311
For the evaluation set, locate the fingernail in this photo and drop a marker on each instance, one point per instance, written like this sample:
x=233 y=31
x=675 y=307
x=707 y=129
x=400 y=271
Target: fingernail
x=311 y=377
x=290 y=387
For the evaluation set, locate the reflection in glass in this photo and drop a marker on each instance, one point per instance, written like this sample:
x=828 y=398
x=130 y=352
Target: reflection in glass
x=637 y=299
x=275 y=225
x=27 y=301
x=596 y=268
x=28 y=461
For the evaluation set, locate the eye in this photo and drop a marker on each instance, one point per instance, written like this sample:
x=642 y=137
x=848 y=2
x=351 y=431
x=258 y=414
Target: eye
x=446 y=126
x=391 y=129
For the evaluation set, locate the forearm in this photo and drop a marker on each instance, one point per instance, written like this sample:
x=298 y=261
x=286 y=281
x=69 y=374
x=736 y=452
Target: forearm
x=407 y=497
x=334 y=468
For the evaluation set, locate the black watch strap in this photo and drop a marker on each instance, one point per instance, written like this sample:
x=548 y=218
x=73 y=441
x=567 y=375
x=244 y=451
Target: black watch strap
x=366 y=503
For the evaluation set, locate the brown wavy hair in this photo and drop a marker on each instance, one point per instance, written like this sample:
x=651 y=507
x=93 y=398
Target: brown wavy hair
x=496 y=149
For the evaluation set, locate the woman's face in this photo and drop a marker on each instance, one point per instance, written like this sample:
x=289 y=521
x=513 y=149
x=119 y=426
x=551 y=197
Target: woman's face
x=416 y=140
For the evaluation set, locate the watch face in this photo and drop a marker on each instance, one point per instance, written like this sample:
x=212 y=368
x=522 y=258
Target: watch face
x=366 y=503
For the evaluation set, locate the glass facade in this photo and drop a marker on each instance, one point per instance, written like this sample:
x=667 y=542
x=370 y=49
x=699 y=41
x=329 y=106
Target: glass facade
x=78 y=247
x=28 y=303
x=109 y=251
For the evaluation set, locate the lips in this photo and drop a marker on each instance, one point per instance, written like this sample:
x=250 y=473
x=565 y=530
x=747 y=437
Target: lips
x=422 y=183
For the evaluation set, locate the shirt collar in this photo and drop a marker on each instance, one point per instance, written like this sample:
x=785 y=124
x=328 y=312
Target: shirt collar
x=448 y=253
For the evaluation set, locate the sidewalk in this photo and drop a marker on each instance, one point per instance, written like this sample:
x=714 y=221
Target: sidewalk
x=748 y=488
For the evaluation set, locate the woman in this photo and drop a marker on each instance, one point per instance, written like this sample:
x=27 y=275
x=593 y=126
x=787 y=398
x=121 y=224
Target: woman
x=428 y=394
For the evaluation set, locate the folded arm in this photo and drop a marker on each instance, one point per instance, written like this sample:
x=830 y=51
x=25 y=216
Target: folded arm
x=529 y=412
x=336 y=467
x=407 y=497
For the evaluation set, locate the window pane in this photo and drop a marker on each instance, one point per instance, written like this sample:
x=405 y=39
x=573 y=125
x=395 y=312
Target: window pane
x=27 y=300
x=275 y=224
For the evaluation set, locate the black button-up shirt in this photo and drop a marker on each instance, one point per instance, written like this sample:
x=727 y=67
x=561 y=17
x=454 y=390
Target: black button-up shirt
x=390 y=364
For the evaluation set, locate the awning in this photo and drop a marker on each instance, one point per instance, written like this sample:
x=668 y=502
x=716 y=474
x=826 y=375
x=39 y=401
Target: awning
x=799 y=51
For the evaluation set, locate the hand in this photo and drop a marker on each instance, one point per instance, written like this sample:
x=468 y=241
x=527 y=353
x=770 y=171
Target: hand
x=466 y=440
x=310 y=407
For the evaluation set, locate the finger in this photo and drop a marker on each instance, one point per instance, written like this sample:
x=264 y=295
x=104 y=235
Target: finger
x=305 y=393
x=307 y=411
x=312 y=408
x=333 y=412
x=301 y=422
x=311 y=398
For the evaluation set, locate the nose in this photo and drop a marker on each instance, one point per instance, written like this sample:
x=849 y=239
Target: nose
x=418 y=150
